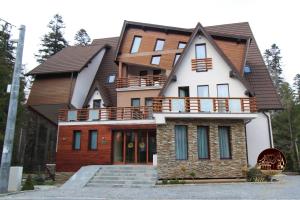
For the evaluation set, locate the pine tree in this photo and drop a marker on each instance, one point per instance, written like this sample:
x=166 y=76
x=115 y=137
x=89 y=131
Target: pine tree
x=273 y=61
x=297 y=87
x=82 y=38
x=53 y=41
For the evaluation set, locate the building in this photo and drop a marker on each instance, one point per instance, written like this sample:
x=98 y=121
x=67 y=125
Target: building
x=196 y=98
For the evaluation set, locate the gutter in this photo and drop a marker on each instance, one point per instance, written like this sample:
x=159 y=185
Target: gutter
x=269 y=129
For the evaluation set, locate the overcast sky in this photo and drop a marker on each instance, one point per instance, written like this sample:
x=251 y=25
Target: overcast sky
x=272 y=21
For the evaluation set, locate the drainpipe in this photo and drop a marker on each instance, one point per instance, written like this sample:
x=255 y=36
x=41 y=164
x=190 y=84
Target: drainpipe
x=247 y=122
x=269 y=129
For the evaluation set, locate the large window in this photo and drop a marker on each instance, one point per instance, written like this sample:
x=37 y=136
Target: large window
x=224 y=142
x=136 y=44
x=223 y=90
x=181 y=45
x=155 y=60
x=93 y=140
x=181 y=142
x=203 y=142
x=159 y=45
x=203 y=91
x=200 y=51
x=76 y=140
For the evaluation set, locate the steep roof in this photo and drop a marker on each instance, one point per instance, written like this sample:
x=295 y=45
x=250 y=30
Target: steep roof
x=259 y=78
x=69 y=59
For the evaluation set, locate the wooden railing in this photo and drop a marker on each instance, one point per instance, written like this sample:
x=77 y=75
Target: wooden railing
x=202 y=104
x=200 y=65
x=109 y=113
x=141 y=81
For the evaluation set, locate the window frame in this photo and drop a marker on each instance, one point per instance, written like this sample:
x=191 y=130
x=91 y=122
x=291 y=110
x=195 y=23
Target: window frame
x=227 y=89
x=208 y=142
x=203 y=86
x=74 y=140
x=229 y=143
x=187 y=142
x=90 y=142
x=132 y=99
x=200 y=44
x=99 y=104
x=180 y=42
x=132 y=43
x=184 y=87
x=155 y=46
x=175 y=61
x=147 y=99
x=151 y=62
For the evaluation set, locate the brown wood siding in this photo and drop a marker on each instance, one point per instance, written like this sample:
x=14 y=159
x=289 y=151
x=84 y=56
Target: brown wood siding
x=68 y=159
x=234 y=51
x=50 y=90
x=146 y=49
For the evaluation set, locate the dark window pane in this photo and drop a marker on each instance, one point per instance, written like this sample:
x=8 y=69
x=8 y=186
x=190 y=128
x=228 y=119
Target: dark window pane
x=159 y=46
x=202 y=133
x=155 y=60
x=181 y=142
x=93 y=138
x=148 y=101
x=111 y=78
x=176 y=58
x=181 y=45
x=224 y=142
x=135 y=102
x=97 y=103
x=76 y=140
x=136 y=44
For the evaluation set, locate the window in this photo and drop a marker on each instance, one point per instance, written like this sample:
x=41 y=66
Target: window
x=159 y=45
x=136 y=44
x=76 y=140
x=155 y=60
x=203 y=145
x=144 y=73
x=148 y=101
x=223 y=90
x=156 y=72
x=203 y=91
x=183 y=91
x=176 y=58
x=181 y=45
x=111 y=78
x=97 y=103
x=93 y=140
x=135 y=102
x=200 y=51
x=181 y=143
x=224 y=142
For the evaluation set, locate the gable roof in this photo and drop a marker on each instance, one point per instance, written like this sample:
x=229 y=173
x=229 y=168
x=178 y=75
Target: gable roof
x=200 y=28
x=69 y=59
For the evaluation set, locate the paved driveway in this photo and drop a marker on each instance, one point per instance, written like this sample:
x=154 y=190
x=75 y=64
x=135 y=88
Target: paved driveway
x=289 y=188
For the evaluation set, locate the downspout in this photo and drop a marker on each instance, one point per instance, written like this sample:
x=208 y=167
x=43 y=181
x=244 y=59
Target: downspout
x=247 y=122
x=269 y=129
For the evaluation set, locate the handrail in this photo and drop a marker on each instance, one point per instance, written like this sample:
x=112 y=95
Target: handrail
x=203 y=64
x=141 y=81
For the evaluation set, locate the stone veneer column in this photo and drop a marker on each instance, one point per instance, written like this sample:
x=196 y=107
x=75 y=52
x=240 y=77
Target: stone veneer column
x=168 y=167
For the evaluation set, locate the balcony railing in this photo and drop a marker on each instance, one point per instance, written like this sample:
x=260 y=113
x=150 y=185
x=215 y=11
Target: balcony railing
x=204 y=105
x=102 y=114
x=141 y=81
x=201 y=65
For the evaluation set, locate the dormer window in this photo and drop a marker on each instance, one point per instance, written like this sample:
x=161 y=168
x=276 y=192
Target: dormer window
x=111 y=78
x=155 y=60
x=176 y=58
x=136 y=44
x=159 y=45
x=181 y=45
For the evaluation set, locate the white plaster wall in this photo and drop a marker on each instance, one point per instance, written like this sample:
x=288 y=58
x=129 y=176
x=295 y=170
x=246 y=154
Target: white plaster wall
x=85 y=79
x=96 y=95
x=257 y=137
x=219 y=74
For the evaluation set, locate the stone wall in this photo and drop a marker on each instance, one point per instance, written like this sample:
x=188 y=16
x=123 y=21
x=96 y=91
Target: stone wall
x=168 y=167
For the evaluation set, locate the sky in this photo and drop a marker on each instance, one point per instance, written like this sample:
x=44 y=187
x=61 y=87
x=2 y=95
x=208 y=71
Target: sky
x=272 y=21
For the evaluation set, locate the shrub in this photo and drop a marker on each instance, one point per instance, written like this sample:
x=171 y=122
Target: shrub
x=193 y=175
x=39 y=180
x=174 y=181
x=255 y=175
x=164 y=182
x=28 y=185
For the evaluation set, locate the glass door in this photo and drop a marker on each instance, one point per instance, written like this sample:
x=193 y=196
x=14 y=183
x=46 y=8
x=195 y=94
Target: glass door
x=118 y=142
x=130 y=147
x=142 y=147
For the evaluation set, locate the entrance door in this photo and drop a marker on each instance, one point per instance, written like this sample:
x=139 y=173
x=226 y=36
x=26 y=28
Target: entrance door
x=134 y=146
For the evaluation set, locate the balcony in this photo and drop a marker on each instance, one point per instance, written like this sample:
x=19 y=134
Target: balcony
x=156 y=81
x=204 y=105
x=201 y=65
x=105 y=114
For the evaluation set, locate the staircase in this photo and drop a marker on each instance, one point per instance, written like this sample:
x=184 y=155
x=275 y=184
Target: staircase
x=124 y=176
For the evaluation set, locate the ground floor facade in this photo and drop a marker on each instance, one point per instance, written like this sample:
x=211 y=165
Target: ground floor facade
x=207 y=148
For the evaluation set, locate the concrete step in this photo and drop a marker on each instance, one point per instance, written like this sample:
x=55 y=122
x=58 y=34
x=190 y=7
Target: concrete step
x=123 y=178
x=118 y=185
x=126 y=174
